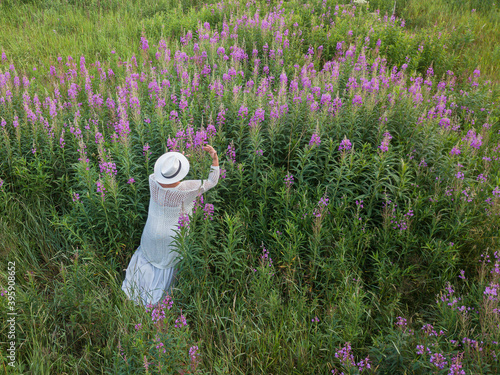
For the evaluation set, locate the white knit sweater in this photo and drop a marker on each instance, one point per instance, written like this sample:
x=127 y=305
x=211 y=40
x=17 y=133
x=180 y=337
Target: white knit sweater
x=165 y=207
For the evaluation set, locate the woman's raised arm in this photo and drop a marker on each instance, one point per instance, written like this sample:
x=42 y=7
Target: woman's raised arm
x=196 y=187
x=213 y=154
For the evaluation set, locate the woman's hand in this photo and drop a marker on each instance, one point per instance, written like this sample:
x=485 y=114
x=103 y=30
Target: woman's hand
x=213 y=154
x=210 y=150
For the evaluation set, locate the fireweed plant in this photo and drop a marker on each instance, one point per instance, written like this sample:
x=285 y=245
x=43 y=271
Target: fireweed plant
x=358 y=177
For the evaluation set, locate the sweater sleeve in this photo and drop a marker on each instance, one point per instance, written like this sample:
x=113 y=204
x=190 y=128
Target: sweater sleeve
x=194 y=187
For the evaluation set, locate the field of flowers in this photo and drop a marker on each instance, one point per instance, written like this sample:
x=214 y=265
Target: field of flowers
x=354 y=229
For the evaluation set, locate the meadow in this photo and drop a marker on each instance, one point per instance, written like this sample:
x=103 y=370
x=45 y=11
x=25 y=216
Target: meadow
x=354 y=229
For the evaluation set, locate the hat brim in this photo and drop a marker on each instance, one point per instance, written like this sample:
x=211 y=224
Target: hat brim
x=179 y=176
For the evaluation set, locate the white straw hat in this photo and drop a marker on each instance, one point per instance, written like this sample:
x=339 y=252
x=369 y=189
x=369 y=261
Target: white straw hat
x=171 y=167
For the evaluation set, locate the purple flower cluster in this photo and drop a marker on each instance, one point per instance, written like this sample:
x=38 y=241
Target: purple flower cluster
x=100 y=188
x=61 y=140
x=145 y=149
x=289 y=180
x=384 y=147
x=322 y=204
x=357 y=100
x=481 y=178
x=180 y=321
x=401 y=322
x=198 y=202
x=492 y=291
x=158 y=312
x=344 y=354
x=405 y=219
x=474 y=140
x=183 y=221
x=243 y=112
x=345 y=145
x=211 y=131
x=453 y=301
x=429 y=330
x=231 y=154
x=438 y=360
x=421 y=350
x=146 y=363
x=160 y=346
x=209 y=211
x=315 y=140
x=108 y=167
x=193 y=353
x=265 y=259
x=257 y=118
x=456 y=365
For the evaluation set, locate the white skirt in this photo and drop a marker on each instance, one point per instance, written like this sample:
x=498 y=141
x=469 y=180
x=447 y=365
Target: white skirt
x=145 y=283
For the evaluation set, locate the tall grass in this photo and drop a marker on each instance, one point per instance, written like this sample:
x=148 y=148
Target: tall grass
x=95 y=28
x=475 y=25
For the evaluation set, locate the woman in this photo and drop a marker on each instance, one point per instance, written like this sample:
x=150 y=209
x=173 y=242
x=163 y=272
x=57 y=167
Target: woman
x=151 y=270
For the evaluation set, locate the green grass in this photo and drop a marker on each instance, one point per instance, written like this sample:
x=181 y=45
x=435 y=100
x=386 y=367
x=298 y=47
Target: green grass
x=477 y=34
x=36 y=34
x=53 y=28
